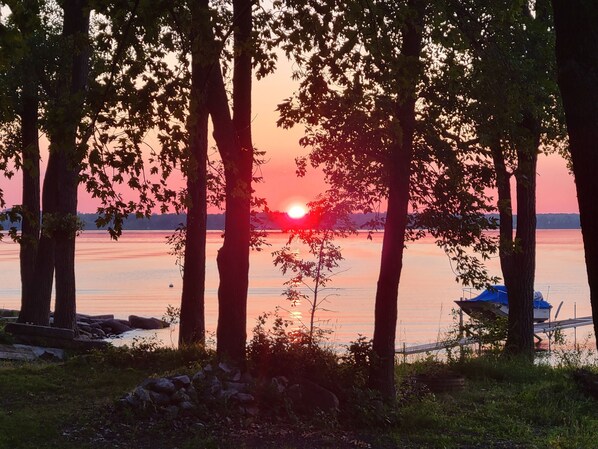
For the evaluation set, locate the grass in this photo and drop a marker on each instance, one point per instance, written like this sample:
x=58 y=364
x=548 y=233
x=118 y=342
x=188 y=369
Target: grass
x=506 y=404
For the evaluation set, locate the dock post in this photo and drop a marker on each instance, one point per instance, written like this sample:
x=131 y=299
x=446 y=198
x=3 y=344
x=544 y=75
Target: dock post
x=404 y=354
x=575 y=328
x=461 y=335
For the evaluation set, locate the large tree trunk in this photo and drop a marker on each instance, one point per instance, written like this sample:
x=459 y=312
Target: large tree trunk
x=192 y=328
x=30 y=231
x=505 y=212
x=44 y=264
x=64 y=237
x=517 y=257
x=233 y=257
x=399 y=169
x=65 y=149
x=576 y=24
x=520 y=334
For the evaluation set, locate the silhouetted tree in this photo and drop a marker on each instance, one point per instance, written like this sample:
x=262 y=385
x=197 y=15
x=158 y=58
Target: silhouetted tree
x=576 y=24
x=509 y=97
x=363 y=69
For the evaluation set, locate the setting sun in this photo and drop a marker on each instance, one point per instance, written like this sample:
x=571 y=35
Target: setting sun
x=296 y=211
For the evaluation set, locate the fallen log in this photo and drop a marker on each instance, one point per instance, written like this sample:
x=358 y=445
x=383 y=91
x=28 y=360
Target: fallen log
x=31 y=330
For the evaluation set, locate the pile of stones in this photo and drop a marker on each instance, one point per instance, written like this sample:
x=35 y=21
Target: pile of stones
x=103 y=326
x=180 y=395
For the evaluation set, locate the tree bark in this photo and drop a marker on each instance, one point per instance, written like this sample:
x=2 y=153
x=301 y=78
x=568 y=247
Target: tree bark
x=30 y=231
x=505 y=211
x=44 y=264
x=237 y=156
x=577 y=62
x=68 y=159
x=518 y=256
x=192 y=327
x=35 y=306
x=399 y=170
x=520 y=333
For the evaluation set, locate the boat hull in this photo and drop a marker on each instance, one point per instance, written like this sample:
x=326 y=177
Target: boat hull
x=492 y=310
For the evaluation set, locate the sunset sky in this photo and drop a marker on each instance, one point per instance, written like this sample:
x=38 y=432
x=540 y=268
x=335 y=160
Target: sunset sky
x=556 y=189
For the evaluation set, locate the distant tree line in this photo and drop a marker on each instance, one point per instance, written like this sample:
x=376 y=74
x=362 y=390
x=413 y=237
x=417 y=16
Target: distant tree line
x=215 y=222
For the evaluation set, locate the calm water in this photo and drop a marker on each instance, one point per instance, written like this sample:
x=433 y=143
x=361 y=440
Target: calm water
x=132 y=276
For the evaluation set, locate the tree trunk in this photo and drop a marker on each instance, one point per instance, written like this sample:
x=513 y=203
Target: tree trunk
x=233 y=257
x=505 y=211
x=520 y=334
x=399 y=169
x=64 y=237
x=30 y=231
x=517 y=257
x=65 y=148
x=192 y=327
x=577 y=61
x=44 y=264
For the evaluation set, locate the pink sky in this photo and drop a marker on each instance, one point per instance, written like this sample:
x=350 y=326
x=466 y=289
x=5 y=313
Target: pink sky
x=556 y=189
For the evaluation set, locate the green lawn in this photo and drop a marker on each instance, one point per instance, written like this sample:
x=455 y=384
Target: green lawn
x=504 y=405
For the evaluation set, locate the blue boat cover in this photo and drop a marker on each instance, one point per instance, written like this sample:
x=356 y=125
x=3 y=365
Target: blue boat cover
x=498 y=294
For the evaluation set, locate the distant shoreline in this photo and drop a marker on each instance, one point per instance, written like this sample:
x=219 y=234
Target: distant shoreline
x=215 y=222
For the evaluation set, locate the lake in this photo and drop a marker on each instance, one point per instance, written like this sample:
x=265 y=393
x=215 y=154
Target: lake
x=133 y=276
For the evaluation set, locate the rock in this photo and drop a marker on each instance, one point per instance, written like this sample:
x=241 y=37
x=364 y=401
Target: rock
x=146 y=323
x=199 y=376
x=142 y=395
x=226 y=368
x=215 y=386
x=171 y=412
x=243 y=398
x=180 y=396
x=249 y=411
x=83 y=326
x=83 y=335
x=130 y=401
x=98 y=332
x=159 y=398
x=181 y=381
x=226 y=394
x=236 y=386
x=186 y=406
x=115 y=326
x=236 y=376
x=162 y=385
x=279 y=384
x=192 y=393
x=48 y=354
x=308 y=397
x=208 y=369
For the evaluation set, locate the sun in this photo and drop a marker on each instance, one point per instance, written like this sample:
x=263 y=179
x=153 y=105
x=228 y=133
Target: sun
x=297 y=211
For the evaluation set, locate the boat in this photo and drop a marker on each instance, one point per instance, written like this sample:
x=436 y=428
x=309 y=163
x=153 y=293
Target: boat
x=493 y=302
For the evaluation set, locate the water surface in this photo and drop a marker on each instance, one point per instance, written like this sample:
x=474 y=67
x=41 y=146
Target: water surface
x=134 y=274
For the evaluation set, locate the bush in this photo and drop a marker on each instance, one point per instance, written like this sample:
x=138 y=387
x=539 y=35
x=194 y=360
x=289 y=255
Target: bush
x=282 y=351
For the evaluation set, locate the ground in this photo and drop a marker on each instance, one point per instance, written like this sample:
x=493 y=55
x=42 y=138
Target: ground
x=504 y=405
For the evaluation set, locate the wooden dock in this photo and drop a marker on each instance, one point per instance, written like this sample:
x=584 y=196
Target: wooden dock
x=540 y=328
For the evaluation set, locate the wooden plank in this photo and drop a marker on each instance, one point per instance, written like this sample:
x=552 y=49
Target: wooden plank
x=8 y=352
x=438 y=346
x=546 y=327
x=39 y=331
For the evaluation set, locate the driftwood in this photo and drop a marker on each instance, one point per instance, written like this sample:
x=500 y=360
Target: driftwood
x=46 y=336
x=30 y=330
